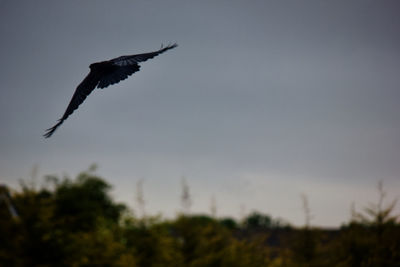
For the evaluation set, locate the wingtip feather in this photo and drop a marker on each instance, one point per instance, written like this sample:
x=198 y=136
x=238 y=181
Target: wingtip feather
x=169 y=46
x=49 y=132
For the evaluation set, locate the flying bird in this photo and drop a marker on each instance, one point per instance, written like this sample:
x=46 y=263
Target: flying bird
x=101 y=75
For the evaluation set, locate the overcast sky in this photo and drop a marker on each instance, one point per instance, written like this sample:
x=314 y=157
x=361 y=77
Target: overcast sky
x=261 y=102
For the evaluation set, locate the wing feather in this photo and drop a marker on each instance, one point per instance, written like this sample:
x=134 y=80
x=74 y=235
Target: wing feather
x=134 y=59
x=119 y=74
x=81 y=92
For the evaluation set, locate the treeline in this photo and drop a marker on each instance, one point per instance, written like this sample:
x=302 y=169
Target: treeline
x=76 y=223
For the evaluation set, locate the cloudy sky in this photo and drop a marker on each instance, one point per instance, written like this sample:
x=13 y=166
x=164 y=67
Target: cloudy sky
x=261 y=102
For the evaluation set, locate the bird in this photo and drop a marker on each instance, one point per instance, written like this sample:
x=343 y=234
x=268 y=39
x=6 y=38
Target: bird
x=103 y=74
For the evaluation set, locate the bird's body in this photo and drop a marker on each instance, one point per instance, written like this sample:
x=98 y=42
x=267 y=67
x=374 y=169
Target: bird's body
x=103 y=74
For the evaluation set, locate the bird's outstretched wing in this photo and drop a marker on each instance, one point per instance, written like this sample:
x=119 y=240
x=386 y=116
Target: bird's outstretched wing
x=127 y=65
x=81 y=92
x=134 y=59
x=119 y=74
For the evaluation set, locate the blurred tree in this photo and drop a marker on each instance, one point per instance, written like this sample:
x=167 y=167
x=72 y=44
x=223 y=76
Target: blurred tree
x=372 y=238
x=55 y=226
x=305 y=241
x=186 y=198
x=257 y=220
x=102 y=246
x=94 y=202
x=213 y=206
x=140 y=198
x=229 y=223
x=205 y=242
x=152 y=243
x=75 y=222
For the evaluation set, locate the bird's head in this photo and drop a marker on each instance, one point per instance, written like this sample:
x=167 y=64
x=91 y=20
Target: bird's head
x=94 y=65
x=100 y=66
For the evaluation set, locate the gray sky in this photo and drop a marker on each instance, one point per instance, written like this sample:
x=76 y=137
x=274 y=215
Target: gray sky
x=262 y=101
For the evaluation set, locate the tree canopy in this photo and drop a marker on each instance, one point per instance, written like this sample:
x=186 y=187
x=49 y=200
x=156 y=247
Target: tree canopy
x=75 y=222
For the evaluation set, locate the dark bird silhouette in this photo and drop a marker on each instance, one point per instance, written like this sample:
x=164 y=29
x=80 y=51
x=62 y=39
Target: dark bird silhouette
x=103 y=74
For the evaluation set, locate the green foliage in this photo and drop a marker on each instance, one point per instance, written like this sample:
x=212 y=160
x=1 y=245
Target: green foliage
x=229 y=223
x=81 y=202
x=258 y=220
x=75 y=222
x=151 y=242
x=304 y=246
x=372 y=238
x=206 y=242
x=65 y=226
